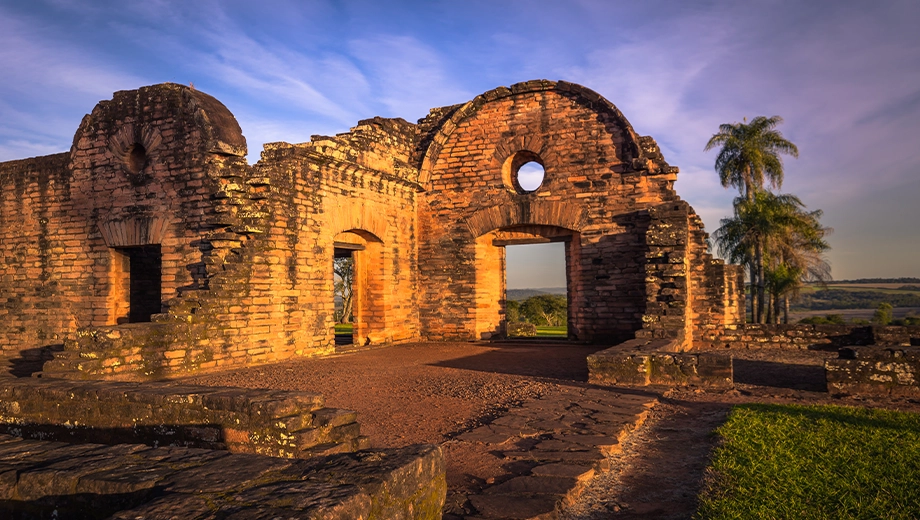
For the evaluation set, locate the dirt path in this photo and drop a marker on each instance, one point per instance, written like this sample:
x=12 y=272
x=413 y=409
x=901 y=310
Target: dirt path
x=660 y=470
x=433 y=392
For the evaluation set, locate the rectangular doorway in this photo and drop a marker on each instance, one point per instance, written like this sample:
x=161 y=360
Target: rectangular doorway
x=536 y=290
x=137 y=282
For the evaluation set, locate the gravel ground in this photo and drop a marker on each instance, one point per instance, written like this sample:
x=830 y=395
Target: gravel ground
x=427 y=392
x=432 y=392
x=423 y=392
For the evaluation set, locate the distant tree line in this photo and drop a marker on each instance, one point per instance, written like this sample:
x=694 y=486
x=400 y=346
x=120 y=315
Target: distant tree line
x=883 y=315
x=546 y=310
x=828 y=299
x=880 y=280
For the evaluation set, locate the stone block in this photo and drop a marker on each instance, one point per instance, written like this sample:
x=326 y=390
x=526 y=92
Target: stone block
x=874 y=370
x=633 y=364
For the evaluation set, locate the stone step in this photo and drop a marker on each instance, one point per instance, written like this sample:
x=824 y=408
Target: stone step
x=56 y=479
x=333 y=417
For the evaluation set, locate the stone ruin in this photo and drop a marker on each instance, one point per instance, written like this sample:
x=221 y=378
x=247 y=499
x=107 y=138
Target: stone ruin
x=153 y=248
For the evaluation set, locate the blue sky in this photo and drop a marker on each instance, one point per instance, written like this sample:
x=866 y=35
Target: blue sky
x=845 y=75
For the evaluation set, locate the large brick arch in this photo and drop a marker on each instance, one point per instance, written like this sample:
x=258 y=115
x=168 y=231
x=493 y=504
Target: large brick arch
x=525 y=212
x=600 y=181
x=433 y=143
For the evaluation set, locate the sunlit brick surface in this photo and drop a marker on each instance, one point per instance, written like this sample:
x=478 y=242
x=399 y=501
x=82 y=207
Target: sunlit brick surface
x=246 y=250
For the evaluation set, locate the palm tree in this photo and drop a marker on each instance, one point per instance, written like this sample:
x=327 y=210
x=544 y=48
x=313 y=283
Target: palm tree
x=796 y=256
x=749 y=154
x=774 y=230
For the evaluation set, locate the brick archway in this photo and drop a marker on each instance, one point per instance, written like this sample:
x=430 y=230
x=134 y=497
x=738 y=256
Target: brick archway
x=369 y=287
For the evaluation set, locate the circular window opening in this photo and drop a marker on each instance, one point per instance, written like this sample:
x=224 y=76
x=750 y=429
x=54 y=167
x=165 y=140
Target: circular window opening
x=136 y=158
x=530 y=176
x=523 y=172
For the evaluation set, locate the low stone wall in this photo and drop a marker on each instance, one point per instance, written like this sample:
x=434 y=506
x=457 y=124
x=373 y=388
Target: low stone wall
x=642 y=362
x=880 y=371
x=267 y=422
x=814 y=337
x=40 y=479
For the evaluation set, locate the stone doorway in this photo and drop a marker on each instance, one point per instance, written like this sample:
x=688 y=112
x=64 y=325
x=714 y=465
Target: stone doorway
x=368 y=290
x=137 y=283
x=491 y=275
x=536 y=299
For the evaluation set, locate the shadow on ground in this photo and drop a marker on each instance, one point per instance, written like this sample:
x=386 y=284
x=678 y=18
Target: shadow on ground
x=809 y=378
x=566 y=361
x=30 y=361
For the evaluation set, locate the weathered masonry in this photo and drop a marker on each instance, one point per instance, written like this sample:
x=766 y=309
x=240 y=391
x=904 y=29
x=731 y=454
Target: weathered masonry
x=152 y=247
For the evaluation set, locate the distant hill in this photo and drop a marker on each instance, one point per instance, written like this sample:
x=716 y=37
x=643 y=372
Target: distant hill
x=523 y=294
x=879 y=280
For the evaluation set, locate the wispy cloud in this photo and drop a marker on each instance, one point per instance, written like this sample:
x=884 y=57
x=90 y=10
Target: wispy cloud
x=46 y=88
x=409 y=77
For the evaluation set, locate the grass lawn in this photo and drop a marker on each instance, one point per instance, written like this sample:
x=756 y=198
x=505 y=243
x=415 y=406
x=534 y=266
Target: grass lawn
x=553 y=332
x=799 y=462
x=344 y=328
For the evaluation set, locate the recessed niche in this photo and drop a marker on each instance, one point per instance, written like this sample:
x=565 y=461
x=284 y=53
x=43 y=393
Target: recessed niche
x=135 y=158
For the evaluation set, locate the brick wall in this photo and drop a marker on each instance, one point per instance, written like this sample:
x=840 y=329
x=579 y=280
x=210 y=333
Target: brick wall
x=157 y=179
x=803 y=336
x=38 y=266
x=607 y=192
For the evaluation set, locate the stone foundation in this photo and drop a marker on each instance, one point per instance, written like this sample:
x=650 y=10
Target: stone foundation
x=41 y=479
x=266 y=422
x=875 y=370
x=801 y=336
x=641 y=363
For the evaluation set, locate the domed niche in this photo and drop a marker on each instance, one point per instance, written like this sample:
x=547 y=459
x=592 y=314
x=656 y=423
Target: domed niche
x=135 y=158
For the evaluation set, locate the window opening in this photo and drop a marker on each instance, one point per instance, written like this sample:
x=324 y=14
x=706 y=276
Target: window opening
x=530 y=176
x=523 y=172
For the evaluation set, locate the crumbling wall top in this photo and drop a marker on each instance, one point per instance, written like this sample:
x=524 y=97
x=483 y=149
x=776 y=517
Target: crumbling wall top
x=134 y=116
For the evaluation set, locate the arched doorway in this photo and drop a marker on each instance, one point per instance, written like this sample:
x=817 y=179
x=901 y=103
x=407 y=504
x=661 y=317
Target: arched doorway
x=365 y=311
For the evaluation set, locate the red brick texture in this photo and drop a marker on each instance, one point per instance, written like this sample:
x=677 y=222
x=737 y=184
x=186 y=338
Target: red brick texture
x=157 y=179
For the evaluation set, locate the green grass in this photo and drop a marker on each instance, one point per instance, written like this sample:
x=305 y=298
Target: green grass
x=344 y=328
x=553 y=332
x=801 y=462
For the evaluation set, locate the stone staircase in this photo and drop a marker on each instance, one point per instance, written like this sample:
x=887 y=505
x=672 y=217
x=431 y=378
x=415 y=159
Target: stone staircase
x=240 y=420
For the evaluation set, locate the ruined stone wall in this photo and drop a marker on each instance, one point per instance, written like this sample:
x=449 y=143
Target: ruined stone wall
x=158 y=176
x=716 y=288
x=142 y=171
x=802 y=336
x=599 y=183
x=40 y=269
x=246 y=252
x=359 y=184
